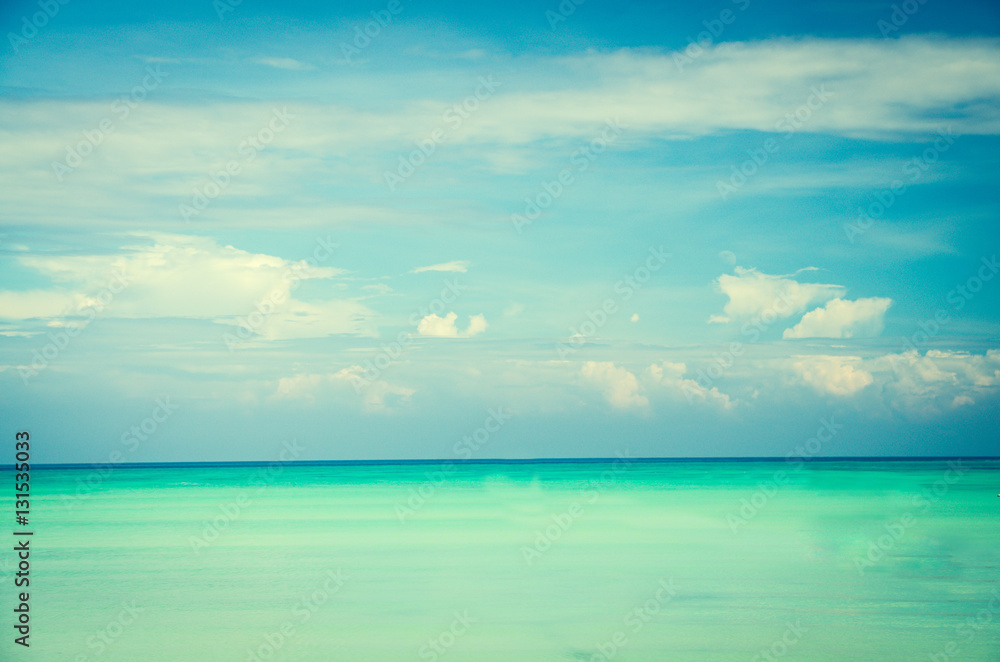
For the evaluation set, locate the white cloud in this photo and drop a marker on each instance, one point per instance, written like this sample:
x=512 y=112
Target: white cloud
x=183 y=276
x=477 y=324
x=623 y=390
x=376 y=396
x=657 y=373
x=669 y=376
x=300 y=319
x=38 y=303
x=456 y=266
x=835 y=375
x=513 y=310
x=444 y=327
x=840 y=318
x=753 y=293
x=284 y=63
x=926 y=384
x=620 y=387
x=160 y=153
x=865 y=88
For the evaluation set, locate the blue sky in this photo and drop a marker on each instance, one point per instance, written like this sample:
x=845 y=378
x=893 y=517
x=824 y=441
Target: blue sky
x=678 y=230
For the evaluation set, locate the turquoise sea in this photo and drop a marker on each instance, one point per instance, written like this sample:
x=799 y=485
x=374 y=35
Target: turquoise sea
x=514 y=562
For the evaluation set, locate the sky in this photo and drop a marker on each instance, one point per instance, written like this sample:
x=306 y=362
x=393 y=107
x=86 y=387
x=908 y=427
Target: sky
x=402 y=230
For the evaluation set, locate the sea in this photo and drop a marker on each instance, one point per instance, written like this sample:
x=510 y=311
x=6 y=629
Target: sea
x=617 y=559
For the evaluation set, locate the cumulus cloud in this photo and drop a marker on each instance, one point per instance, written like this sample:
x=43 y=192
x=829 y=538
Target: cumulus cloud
x=938 y=380
x=182 y=276
x=620 y=387
x=456 y=266
x=841 y=318
x=911 y=382
x=834 y=375
x=752 y=293
x=669 y=376
x=444 y=327
x=375 y=396
x=665 y=381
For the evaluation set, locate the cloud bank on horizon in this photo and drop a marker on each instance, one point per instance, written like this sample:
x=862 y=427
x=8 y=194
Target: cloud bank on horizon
x=681 y=232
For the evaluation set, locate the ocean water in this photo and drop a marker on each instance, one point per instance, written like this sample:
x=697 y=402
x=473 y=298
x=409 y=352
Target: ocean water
x=626 y=561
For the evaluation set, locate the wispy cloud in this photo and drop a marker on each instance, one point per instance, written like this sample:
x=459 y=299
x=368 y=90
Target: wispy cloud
x=286 y=63
x=457 y=266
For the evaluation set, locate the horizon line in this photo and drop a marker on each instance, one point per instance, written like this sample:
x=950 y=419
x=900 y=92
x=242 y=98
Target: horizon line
x=541 y=460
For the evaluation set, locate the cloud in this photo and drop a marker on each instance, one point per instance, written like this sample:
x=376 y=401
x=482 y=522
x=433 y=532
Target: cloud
x=513 y=310
x=444 y=327
x=752 y=293
x=855 y=87
x=284 y=63
x=937 y=380
x=623 y=390
x=620 y=387
x=39 y=304
x=840 y=318
x=182 y=276
x=160 y=153
x=669 y=376
x=834 y=375
x=375 y=396
x=456 y=266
